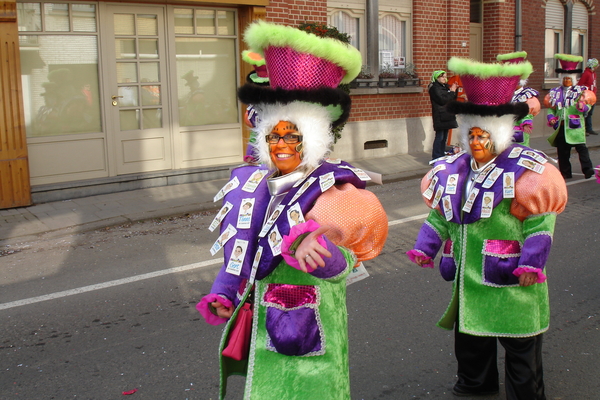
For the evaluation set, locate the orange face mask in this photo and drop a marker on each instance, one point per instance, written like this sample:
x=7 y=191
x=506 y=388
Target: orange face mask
x=482 y=147
x=286 y=151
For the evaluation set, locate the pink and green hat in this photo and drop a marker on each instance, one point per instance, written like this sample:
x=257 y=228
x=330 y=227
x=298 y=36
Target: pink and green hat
x=568 y=63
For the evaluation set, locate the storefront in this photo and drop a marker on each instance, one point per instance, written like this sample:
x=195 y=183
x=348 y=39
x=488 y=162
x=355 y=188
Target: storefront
x=116 y=89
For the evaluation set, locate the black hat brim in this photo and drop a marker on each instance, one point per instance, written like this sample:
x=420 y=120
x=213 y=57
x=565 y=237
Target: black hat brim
x=519 y=110
x=568 y=71
x=253 y=94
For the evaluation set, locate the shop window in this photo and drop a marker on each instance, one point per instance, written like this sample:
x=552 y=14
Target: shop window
x=205 y=52
x=58 y=45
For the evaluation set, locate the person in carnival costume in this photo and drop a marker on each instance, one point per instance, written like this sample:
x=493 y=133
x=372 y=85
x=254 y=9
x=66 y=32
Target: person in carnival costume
x=494 y=206
x=259 y=76
x=567 y=105
x=523 y=94
x=299 y=340
x=588 y=79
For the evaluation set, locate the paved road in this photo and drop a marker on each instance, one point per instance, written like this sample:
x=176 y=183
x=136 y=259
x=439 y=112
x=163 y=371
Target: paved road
x=119 y=312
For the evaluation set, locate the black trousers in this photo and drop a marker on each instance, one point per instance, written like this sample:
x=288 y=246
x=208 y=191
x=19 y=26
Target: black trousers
x=563 y=150
x=478 y=369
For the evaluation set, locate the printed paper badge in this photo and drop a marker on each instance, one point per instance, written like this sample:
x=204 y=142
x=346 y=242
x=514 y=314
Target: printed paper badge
x=435 y=170
x=236 y=260
x=275 y=241
x=269 y=223
x=438 y=196
x=483 y=174
x=537 y=157
x=508 y=185
x=334 y=160
x=245 y=215
x=222 y=239
x=362 y=175
x=491 y=179
x=254 y=180
x=257 y=257
x=428 y=193
x=487 y=204
x=531 y=165
x=515 y=152
x=451 y=183
x=229 y=186
x=447 y=203
x=453 y=157
x=295 y=215
x=470 y=200
x=220 y=215
x=326 y=181
x=303 y=188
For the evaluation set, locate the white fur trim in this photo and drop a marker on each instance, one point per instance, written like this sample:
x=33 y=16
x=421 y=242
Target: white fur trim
x=313 y=122
x=500 y=129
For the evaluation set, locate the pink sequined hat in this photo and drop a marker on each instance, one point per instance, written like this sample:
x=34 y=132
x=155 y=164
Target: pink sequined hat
x=568 y=63
x=302 y=67
x=489 y=87
x=516 y=57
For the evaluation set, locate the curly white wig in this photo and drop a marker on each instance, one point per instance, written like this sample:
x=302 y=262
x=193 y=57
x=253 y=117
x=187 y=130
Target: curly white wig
x=313 y=122
x=500 y=129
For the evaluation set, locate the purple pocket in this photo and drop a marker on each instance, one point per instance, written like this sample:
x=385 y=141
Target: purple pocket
x=292 y=321
x=447 y=263
x=574 y=121
x=500 y=259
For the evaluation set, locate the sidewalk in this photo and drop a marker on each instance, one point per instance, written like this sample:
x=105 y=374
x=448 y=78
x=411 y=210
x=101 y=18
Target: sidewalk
x=61 y=218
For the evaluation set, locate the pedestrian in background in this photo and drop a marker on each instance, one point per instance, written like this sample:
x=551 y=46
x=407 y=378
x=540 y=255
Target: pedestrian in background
x=588 y=79
x=441 y=94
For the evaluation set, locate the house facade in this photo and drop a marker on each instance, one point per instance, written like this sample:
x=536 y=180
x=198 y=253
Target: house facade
x=104 y=96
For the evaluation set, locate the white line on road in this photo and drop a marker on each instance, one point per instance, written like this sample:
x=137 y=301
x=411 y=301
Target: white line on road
x=136 y=278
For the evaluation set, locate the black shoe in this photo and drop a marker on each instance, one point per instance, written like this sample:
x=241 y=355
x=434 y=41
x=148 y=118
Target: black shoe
x=458 y=391
x=593 y=133
x=587 y=134
x=588 y=175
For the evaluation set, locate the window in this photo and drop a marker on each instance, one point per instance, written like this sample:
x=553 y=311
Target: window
x=58 y=44
x=579 y=32
x=205 y=53
x=393 y=31
x=554 y=38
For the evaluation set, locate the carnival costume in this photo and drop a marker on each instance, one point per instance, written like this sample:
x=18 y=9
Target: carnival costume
x=566 y=108
x=299 y=342
x=493 y=223
x=523 y=94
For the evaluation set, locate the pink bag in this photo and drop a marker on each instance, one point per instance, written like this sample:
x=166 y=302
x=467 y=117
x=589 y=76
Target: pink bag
x=238 y=344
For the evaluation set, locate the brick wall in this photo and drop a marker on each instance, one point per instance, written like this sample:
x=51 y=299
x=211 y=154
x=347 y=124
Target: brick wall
x=533 y=30
x=498 y=29
x=295 y=12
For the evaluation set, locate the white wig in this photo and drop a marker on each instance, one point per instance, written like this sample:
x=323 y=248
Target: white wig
x=313 y=122
x=500 y=130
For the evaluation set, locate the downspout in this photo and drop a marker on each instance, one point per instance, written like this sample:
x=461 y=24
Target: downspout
x=373 y=36
x=568 y=28
x=518 y=26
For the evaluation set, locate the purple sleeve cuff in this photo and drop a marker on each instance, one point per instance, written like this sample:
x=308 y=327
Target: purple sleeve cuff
x=204 y=308
x=536 y=250
x=334 y=265
x=521 y=270
x=428 y=242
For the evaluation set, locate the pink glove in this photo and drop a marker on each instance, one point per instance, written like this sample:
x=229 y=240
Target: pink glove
x=581 y=106
x=521 y=270
x=413 y=254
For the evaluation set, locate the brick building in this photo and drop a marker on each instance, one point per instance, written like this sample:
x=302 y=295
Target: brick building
x=100 y=97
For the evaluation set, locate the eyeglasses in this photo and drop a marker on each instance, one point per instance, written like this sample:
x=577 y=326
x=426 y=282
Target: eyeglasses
x=290 y=138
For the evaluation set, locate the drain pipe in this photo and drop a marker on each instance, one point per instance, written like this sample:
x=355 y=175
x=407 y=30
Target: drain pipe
x=518 y=27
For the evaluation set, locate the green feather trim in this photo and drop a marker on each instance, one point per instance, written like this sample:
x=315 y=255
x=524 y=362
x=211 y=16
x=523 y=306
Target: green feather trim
x=510 y=56
x=260 y=35
x=465 y=66
x=252 y=61
x=568 y=57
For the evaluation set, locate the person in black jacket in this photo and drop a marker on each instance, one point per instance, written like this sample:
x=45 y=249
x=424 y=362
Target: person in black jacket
x=441 y=94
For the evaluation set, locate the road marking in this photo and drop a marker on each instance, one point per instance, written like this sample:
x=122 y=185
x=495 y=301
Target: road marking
x=149 y=275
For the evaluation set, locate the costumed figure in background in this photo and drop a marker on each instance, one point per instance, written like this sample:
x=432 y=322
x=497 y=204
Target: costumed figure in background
x=494 y=207
x=567 y=105
x=523 y=94
x=296 y=274
x=259 y=77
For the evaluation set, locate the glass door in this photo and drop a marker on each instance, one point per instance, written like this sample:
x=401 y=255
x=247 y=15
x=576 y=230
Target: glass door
x=139 y=127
